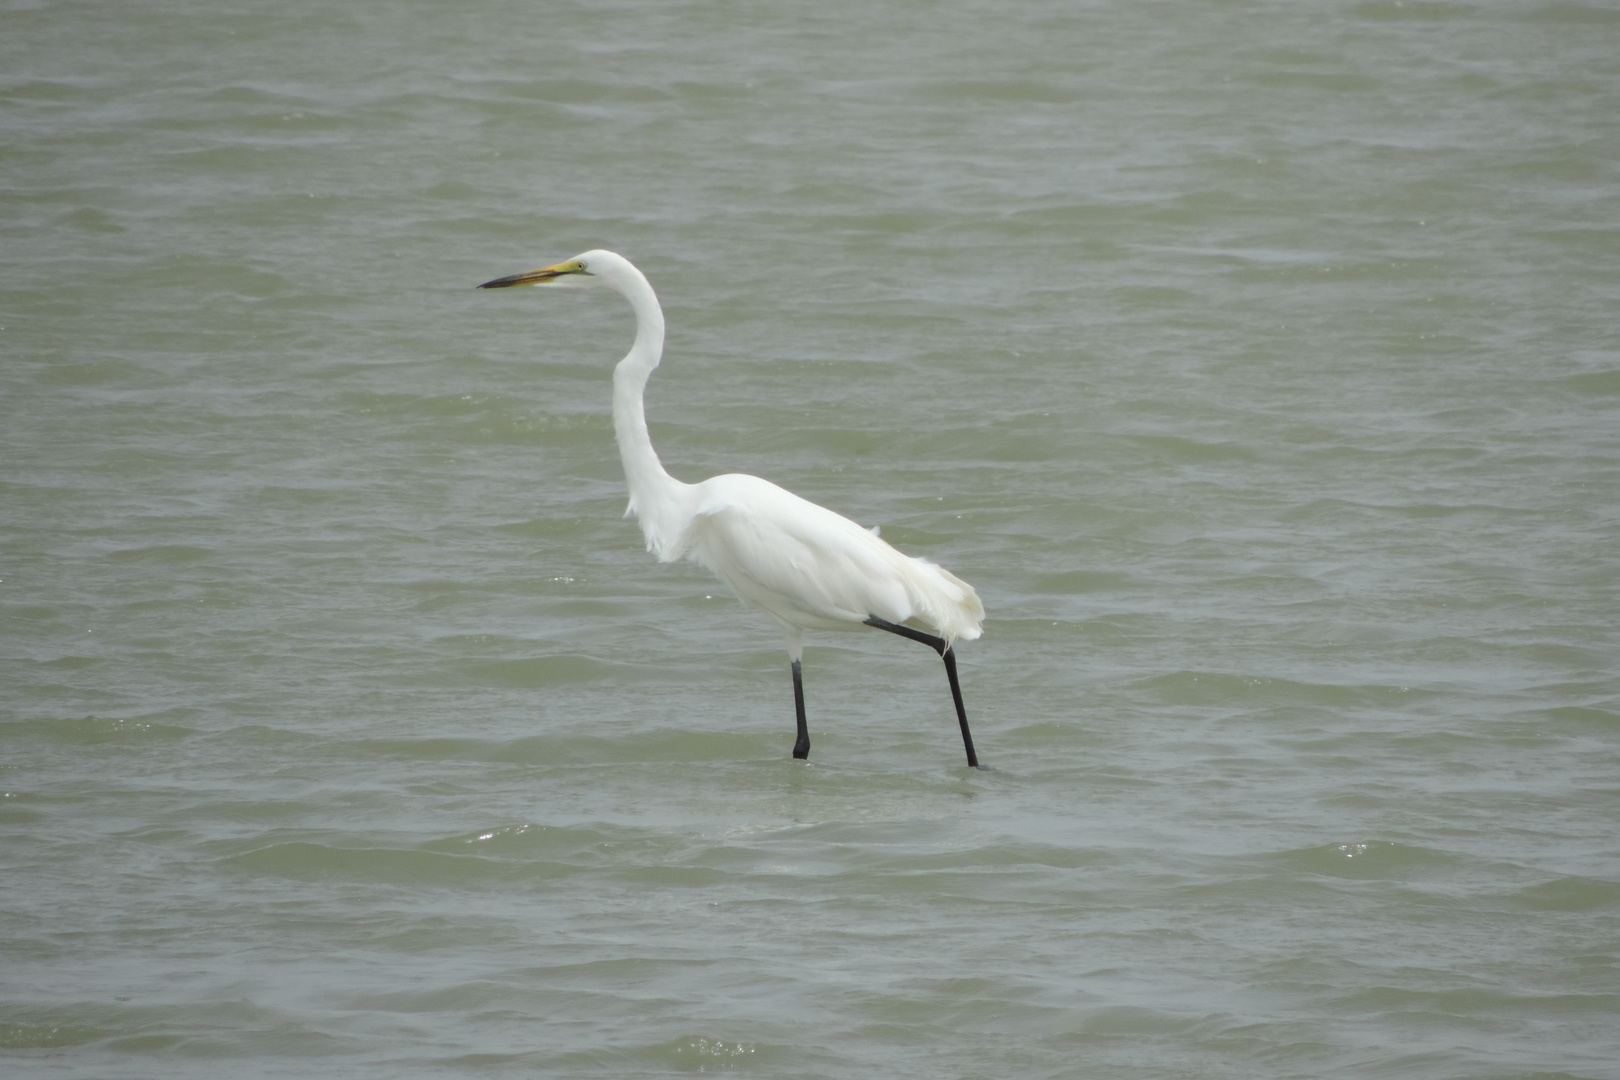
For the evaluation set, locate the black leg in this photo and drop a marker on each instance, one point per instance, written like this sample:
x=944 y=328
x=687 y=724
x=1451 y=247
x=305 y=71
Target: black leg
x=801 y=749
x=961 y=714
x=935 y=643
x=948 y=654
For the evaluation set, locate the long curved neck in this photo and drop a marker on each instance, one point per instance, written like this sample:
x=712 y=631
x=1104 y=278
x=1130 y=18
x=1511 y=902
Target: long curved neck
x=654 y=494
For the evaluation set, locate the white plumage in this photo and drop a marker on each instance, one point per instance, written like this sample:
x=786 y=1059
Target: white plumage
x=802 y=564
x=814 y=569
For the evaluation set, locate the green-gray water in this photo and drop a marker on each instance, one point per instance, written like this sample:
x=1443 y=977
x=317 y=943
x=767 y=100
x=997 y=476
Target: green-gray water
x=1258 y=362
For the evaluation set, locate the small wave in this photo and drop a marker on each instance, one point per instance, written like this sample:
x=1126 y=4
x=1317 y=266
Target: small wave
x=305 y=861
x=47 y=1036
x=1569 y=894
x=1371 y=859
x=94 y=730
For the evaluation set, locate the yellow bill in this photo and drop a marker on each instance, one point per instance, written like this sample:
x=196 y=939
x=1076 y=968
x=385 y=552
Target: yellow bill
x=539 y=277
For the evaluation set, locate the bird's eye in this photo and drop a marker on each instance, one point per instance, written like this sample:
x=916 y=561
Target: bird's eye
x=580 y=264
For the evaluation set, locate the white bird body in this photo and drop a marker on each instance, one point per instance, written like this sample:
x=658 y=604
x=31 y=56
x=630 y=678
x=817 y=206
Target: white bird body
x=813 y=569
x=804 y=565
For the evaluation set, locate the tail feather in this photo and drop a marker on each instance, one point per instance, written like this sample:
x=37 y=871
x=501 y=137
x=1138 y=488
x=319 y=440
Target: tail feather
x=943 y=600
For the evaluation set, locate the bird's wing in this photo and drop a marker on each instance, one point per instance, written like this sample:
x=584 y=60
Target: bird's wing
x=811 y=567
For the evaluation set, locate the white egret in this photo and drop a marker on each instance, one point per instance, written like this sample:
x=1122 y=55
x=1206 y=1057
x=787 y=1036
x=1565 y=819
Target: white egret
x=805 y=566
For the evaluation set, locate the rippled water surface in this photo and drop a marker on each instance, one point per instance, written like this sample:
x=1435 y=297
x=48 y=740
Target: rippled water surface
x=1258 y=363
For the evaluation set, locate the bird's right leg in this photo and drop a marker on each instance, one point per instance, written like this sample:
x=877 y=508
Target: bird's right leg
x=947 y=654
x=801 y=749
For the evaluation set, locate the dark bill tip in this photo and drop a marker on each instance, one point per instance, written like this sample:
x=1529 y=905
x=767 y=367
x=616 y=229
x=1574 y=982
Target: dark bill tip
x=508 y=281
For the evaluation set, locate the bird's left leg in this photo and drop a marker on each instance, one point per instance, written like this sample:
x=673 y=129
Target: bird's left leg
x=801 y=749
x=948 y=654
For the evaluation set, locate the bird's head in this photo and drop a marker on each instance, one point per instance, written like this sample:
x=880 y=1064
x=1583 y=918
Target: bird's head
x=590 y=268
